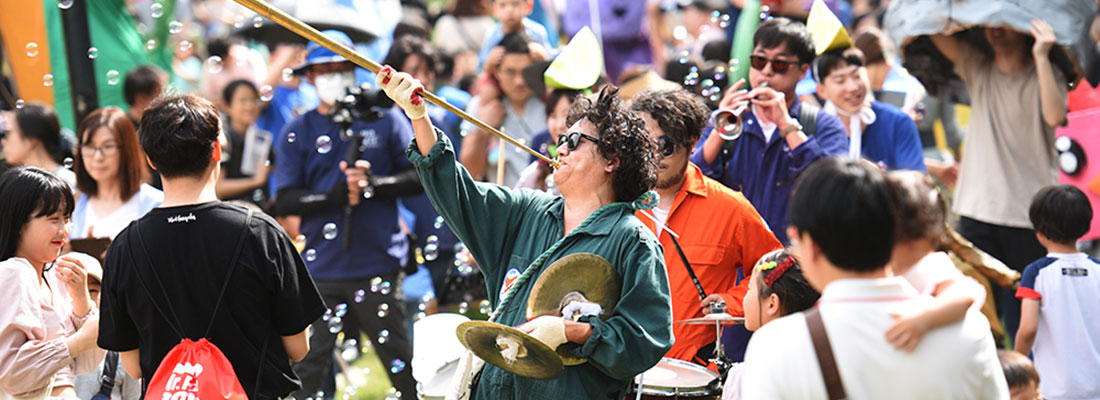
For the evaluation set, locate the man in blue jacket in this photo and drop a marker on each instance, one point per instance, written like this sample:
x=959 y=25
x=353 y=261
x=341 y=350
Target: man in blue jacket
x=781 y=136
x=361 y=280
x=877 y=131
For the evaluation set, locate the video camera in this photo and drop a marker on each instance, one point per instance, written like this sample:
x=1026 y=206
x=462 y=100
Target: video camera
x=361 y=103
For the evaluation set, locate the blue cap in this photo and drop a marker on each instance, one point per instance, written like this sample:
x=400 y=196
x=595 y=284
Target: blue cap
x=317 y=54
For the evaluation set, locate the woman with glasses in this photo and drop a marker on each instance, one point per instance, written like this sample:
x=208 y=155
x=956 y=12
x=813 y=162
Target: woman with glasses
x=245 y=170
x=32 y=136
x=608 y=165
x=48 y=323
x=110 y=174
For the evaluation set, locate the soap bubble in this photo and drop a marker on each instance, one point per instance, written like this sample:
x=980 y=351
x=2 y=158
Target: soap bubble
x=384 y=288
x=175 y=27
x=335 y=324
x=463 y=307
x=214 y=64
x=32 y=49
x=383 y=336
x=288 y=74
x=383 y=310
x=311 y=255
x=330 y=231
x=257 y=22
x=47 y=80
x=64 y=4
x=484 y=307
x=112 y=77
x=266 y=93
x=291 y=137
x=438 y=222
x=185 y=45
x=397 y=366
x=156 y=10
x=238 y=21
x=349 y=351
x=68 y=162
x=324 y=144
x=93 y=53
x=375 y=284
x=360 y=295
x=150 y=44
x=340 y=310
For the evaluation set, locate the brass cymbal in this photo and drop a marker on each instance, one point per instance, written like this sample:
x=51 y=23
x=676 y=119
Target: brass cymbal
x=713 y=319
x=534 y=359
x=586 y=273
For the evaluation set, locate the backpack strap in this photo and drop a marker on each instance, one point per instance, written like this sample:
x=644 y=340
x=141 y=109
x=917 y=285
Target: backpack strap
x=833 y=385
x=807 y=117
x=110 y=368
x=173 y=322
x=229 y=274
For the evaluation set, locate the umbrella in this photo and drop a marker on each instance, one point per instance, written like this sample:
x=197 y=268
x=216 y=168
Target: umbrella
x=344 y=16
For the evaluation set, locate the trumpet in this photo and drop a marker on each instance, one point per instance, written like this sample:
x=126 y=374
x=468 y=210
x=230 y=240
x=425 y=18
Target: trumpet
x=729 y=123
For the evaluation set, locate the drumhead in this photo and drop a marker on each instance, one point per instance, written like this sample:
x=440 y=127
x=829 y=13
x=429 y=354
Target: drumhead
x=672 y=376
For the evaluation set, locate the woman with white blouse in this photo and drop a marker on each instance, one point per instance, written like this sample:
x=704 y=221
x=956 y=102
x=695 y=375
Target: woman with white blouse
x=48 y=323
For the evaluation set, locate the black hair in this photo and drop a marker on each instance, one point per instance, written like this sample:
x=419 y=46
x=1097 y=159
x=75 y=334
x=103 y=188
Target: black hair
x=1018 y=369
x=409 y=45
x=178 y=133
x=922 y=211
x=717 y=50
x=516 y=43
x=1062 y=213
x=831 y=60
x=144 y=80
x=231 y=88
x=849 y=209
x=28 y=192
x=622 y=138
x=794 y=291
x=38 y=121
x=681 y=114
x=556 y=95
x=771 y=33
x=218 y=46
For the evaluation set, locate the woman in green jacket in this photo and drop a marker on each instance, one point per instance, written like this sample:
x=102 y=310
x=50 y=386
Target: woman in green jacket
x=608 y=164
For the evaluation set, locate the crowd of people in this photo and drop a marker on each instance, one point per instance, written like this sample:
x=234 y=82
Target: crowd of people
x=283 y=203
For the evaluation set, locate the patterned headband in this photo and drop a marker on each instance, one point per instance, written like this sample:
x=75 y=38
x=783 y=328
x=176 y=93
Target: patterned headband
x=779 y=270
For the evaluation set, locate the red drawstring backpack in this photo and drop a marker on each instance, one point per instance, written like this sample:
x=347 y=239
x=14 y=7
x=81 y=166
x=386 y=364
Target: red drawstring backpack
x=195 y=370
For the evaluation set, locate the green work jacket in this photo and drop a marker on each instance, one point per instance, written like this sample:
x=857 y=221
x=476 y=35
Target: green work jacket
x=506 y=230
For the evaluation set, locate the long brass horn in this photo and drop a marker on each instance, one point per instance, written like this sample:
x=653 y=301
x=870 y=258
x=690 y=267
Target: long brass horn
x=267 y=10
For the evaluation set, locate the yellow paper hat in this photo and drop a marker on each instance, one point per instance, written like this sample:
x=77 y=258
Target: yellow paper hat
x=579 y=64
x=825 y=28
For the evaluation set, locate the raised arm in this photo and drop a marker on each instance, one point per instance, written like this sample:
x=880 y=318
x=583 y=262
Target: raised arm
x=1052 y=100
x=948 y=45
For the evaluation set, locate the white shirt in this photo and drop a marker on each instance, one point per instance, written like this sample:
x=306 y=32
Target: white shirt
x=956 y=361
x=113 y=223
x=930 y=271
x=1067 y=344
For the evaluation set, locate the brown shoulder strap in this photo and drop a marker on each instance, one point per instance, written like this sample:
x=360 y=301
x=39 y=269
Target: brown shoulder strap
x=829 y=371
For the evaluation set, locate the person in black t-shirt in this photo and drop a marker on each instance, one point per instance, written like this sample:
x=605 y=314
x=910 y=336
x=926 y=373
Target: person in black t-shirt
x=183 y=254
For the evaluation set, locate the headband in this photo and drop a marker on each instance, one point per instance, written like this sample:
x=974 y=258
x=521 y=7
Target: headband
x=780 y=269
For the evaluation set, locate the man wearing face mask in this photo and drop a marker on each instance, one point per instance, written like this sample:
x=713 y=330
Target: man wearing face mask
x=314 y=181
x=877 y=131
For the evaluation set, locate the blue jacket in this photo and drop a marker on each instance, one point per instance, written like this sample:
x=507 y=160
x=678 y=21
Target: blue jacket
x=892 y=140
x=765 y=171
x=378 y=245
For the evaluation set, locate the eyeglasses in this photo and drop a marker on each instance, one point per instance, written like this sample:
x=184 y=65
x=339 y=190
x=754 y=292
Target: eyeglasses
x=667 y=146
x=572 y=140
x=779 y=66
x=106 y=151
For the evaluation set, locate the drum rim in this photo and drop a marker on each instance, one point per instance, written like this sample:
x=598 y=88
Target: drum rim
x=666 y=390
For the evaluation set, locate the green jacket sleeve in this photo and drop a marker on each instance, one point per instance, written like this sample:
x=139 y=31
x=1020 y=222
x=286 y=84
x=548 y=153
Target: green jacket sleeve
x=639 y=332
x=484 y=216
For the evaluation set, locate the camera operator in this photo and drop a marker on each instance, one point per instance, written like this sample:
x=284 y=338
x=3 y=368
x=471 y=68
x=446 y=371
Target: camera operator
x=354 y=245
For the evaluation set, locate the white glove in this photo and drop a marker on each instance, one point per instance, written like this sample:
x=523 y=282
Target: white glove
x=548 y=329
x=404 y=90
x=577 y=309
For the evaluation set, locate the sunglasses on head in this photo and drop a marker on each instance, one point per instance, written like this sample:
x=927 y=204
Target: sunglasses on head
x=573 y=139
x=779 y=66
x=667 y=146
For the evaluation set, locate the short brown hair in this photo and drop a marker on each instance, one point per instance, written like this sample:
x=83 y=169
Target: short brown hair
x=131 y=166
x=1018 y=369
x=922 y=211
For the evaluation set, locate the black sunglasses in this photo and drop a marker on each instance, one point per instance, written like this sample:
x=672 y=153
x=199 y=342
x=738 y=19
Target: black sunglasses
x=779 y=66
x=573 y=139
x=667 y=146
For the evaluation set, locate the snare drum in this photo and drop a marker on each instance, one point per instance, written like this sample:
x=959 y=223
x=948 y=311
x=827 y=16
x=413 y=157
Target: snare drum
x=436 y=351
x=675 y=379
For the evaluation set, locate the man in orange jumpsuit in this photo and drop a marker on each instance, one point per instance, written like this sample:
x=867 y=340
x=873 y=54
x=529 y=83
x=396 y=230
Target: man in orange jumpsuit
x=717 y=229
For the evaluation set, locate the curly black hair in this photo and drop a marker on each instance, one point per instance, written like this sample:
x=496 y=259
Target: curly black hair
x=680 y=113
x=623 y=138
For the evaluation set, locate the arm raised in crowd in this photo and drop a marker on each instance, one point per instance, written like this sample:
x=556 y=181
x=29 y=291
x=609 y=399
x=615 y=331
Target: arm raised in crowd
x=1052 y=101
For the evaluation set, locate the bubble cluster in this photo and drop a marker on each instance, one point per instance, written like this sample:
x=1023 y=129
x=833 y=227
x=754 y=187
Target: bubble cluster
x=431 y=248
x=396 y=366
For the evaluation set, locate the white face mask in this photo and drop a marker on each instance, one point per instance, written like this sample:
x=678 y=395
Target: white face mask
x=333 y=85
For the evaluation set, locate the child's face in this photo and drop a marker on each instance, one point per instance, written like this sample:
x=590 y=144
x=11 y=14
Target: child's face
x=511 y=13
x=758 y=312
x=93 y=290
x=1030 y=391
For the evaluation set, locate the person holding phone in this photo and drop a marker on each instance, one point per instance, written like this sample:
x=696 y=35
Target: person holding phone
x=48 y=323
